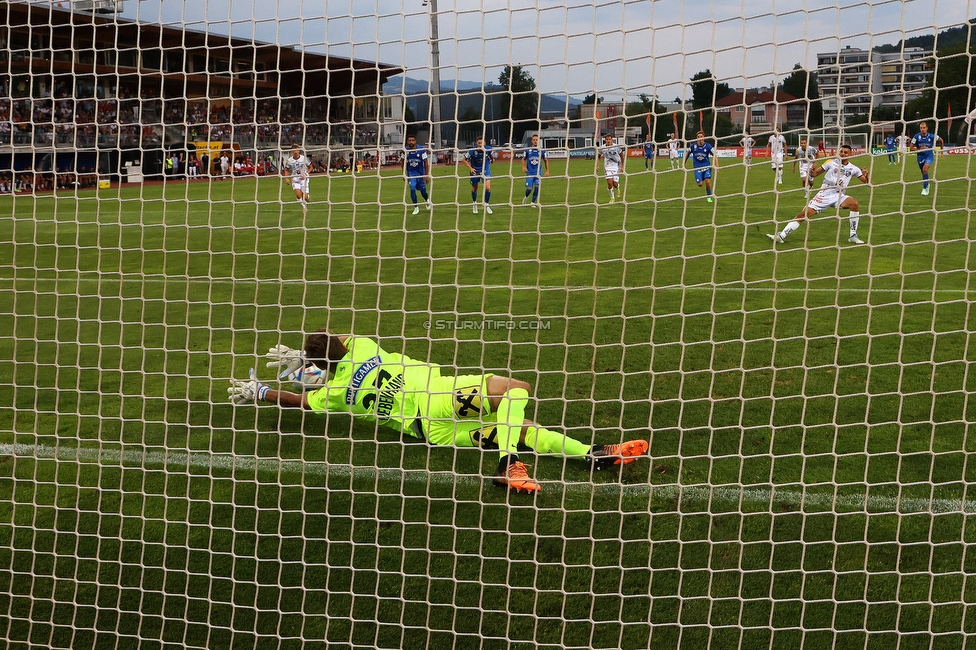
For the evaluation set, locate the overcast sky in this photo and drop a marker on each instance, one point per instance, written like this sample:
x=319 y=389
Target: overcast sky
x=613 y=47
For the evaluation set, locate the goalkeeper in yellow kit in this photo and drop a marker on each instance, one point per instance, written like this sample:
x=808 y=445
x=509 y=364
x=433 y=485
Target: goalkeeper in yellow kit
x=352 y=374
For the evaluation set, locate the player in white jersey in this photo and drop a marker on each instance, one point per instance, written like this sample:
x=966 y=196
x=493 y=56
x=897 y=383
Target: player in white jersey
x=612 y=158
x=747 y=143
x=777 y=152
x=297 y=165
x=806 y=155
x=837 y=176
x=903 y=141
x=674 y=155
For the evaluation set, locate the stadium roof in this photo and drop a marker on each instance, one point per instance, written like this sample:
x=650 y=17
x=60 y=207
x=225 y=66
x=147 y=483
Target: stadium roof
x=297 y=69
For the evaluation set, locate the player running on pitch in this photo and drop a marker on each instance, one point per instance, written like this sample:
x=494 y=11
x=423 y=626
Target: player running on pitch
x=416 y=165
x=478 y=162
x=702 y=155
x=353 y=374
x=535 y=158
x=612 y=158
x=297 y=166
x=777 y=152
x=924 y=144
x=837 y=176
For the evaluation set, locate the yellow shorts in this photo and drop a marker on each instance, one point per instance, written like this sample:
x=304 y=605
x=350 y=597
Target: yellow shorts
x=456 y=412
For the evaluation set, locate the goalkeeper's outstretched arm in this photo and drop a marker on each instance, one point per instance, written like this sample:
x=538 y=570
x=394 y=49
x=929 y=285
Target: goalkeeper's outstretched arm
x=322 y=347
x=250 y=390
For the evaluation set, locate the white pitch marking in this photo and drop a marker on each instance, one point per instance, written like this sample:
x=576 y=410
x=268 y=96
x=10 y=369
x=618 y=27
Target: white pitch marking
x=103 y=278
x=770 y=495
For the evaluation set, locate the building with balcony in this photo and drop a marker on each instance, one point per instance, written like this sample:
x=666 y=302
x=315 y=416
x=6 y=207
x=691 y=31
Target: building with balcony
x=763 y=110
x=853 y=81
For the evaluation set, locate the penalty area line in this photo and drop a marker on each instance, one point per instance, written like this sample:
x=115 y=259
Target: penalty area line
x=234 y=282
x=769 y=495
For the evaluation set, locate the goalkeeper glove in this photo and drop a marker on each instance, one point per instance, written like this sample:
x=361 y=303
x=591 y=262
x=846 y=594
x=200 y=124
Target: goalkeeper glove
x=303 y=375
x=245 y=391
x=282 y=355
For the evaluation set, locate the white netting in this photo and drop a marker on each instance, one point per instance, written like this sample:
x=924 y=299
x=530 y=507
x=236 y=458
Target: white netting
x=806 y=402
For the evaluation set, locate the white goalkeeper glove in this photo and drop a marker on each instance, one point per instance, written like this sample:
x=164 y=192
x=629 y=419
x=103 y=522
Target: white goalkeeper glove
x=247 y=391
x=303 y=375
x=282 y=355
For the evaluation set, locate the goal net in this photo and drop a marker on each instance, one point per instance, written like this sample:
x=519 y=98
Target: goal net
x=186 y=185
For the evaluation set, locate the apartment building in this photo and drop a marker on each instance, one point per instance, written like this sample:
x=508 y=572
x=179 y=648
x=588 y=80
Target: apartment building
x=852 y=81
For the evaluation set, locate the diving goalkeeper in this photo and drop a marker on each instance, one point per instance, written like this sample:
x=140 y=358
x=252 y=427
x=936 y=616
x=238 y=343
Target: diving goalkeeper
x=352 y=374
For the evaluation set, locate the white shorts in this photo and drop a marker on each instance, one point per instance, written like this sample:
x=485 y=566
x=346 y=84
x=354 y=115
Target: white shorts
x=747 y=153
x=778 y=159
x=612 y=172
x=826 y=199
x=672 y=154
x=300 y=184
x=805 y=170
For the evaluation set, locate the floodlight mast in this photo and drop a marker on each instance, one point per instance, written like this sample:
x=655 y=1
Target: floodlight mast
x=435 y=77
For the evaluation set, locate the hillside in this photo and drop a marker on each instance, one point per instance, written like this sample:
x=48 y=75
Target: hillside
x=947 y=38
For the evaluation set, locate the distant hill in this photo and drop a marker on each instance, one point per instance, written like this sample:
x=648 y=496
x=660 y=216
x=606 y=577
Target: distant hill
x=411 y=86
x=550 y=103
x=460 y=100
x=953 y=36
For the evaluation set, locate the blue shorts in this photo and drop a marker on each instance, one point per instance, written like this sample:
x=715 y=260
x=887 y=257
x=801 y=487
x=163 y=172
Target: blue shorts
x=702 y=174
x=477 y=177
x=926 y=159
x=532 y=181
x=418 y=183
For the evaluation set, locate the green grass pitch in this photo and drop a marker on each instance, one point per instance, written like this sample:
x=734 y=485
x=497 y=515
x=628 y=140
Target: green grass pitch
x=808 y=407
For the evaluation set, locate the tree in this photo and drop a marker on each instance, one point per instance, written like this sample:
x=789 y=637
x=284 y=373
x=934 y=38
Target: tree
x=665 y=126
x=638 y=112
x=802 y=84
x=951 y=87
x=519 y=101
x=592 y=99
x=705 y=91
x=471 y=124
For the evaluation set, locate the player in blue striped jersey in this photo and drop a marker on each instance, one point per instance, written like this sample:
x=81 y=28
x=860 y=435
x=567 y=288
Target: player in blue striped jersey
x=891 y=148
x=702 y=155
x=648 y=151
x=535 y=158
x=478 y=162
x=924 y=144
x=416 y=165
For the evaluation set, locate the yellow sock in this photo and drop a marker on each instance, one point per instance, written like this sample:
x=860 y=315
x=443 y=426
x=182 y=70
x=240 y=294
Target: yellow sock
x=544 y=441
x=509 y=418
